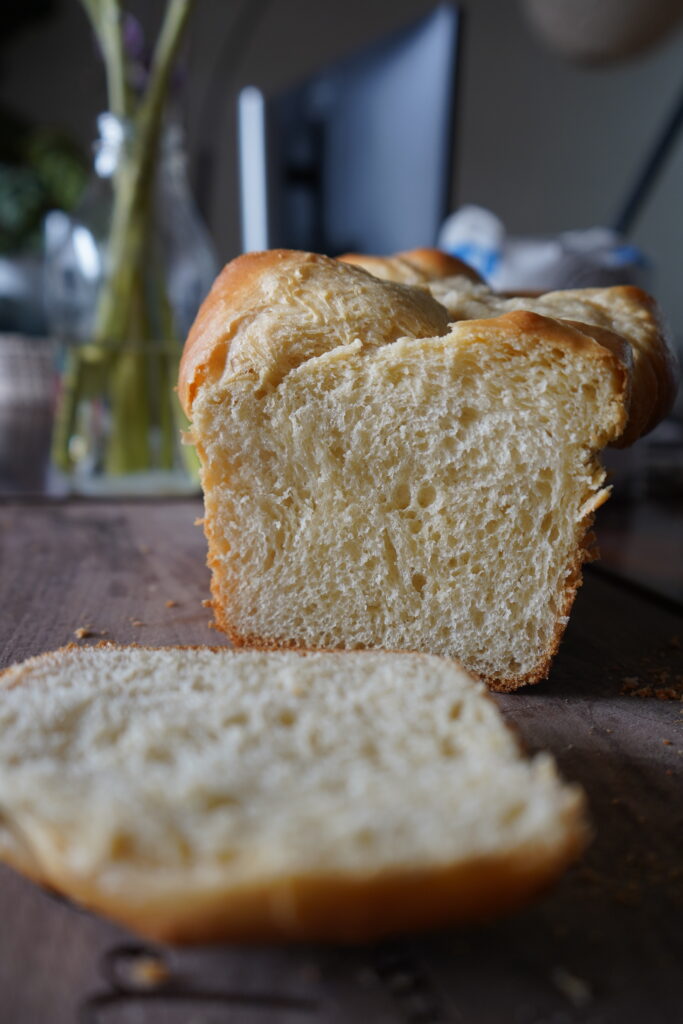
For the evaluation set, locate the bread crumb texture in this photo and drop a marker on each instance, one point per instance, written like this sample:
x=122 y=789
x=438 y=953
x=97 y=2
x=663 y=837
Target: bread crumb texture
x=430 y=495
x=174 y=788
x=409 y=463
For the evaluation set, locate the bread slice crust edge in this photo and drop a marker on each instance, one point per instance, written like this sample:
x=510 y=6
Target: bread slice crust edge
x=320 y=906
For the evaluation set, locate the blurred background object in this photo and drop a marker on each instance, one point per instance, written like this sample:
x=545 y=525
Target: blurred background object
x=358 y=156
x=125 y=274
x=26 y=408
x=595 y=257
x=546 y=144
x=553 y=139
x=599 y=31
x=42 y=168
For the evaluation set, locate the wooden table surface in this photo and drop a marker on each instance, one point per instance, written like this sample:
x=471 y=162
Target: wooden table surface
x=605 y=947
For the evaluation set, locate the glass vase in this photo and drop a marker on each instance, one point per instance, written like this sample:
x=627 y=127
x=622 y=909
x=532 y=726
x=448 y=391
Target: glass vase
x=124 y=277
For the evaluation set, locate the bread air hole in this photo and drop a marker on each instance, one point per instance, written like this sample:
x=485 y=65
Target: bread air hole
x=426 y=495
x=525 y=520
x=238 y=719
x=418 y=580
x=122 y=846
x=225 y=856
x=365 y=837
x=159 y=754
x=402 y=497
x=469 y=416
x=448 y=748
x=391 y=558
x=220 y=801
x=512 y=814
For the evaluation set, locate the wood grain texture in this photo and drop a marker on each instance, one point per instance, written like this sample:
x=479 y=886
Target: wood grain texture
x=605 y=947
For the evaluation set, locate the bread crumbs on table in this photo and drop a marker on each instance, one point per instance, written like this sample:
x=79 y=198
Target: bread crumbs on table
x=660 y=687
x=171 y=603
x=83 y=632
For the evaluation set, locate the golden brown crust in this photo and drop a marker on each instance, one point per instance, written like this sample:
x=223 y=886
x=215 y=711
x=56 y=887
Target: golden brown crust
x=218 y=319
x=655 y=368
x=414 y=266
x=232 y=327
x=268 y=312
x=332 y=908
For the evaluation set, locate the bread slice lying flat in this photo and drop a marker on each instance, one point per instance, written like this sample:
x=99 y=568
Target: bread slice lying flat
x=378 y=476
x=205 y=795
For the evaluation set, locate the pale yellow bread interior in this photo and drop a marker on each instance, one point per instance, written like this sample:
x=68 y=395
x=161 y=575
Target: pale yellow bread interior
x=396 y=482
x=211 y=795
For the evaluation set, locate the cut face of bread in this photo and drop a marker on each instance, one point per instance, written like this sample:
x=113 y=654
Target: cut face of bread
x=626 y=312
x=201 y=795
x=429 y=493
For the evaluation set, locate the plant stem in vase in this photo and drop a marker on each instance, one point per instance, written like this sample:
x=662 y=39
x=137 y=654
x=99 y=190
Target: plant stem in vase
x=132 y=346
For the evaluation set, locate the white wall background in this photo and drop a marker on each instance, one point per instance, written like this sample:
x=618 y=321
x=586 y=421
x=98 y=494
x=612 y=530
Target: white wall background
x=545 y=144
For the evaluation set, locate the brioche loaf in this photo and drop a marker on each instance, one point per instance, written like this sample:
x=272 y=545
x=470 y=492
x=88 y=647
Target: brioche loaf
x=377 y=475
x=205 y=795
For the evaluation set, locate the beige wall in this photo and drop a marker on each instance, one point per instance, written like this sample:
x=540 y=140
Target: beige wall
x=544 y=144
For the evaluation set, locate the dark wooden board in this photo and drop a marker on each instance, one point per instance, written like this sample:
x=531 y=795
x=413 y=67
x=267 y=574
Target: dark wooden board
x=605 y=947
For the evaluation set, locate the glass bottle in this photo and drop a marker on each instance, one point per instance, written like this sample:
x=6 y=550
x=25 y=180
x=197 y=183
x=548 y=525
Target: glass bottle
x=124 y=276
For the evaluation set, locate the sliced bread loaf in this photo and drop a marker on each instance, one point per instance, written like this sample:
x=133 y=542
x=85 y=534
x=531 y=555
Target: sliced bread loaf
x=376 y=476
x=205 y=795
